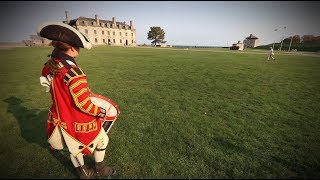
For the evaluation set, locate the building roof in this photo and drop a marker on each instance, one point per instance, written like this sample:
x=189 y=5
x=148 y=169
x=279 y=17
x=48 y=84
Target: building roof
x=252 y=37
x=80 y=19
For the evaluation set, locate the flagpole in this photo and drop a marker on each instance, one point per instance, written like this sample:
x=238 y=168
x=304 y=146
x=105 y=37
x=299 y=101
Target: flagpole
x=281 y=44
x=290 y=43
x=282 y=38
x=274 y=42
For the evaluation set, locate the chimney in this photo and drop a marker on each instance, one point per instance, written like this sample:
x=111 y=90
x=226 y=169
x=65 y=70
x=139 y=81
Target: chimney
x=67 y=17
x=97 y=20
x=114 y=20
x=131 y=25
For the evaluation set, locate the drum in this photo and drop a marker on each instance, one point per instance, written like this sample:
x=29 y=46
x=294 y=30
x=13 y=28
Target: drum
x=110 y=107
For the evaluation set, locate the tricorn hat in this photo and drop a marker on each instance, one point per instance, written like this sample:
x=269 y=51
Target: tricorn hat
x=59 y=31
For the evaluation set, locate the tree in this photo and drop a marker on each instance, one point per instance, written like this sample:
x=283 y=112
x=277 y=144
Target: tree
x=308 y=38
x=157 y=35
x=295 y=39
x=287 y=40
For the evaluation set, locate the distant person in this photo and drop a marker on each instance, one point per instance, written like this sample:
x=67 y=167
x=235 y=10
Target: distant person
x=271 y=54
x=73 y=120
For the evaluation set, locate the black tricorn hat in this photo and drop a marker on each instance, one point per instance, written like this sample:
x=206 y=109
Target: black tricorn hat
x=59 y=31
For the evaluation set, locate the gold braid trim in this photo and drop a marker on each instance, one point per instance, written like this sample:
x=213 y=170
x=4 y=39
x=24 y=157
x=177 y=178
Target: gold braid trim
x=83 y=90
x=89 y=107
x=84 y=101
x=95 y=110
x=76 y=74
x=77 y=83
x=86 y=127
x=80 y=104
x=71 y=78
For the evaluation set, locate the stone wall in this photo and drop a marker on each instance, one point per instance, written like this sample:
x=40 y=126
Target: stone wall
x=251 y=43
x=109 y=36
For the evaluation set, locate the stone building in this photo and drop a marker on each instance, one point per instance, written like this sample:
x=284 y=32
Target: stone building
x=36 y=40
x=104 y=32
x=251 y=41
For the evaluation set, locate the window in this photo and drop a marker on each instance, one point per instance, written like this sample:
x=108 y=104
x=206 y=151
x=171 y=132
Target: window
x=114 y=41
x=108 y=32
x=102 y=32
x=120 y=41
x=114 y=33
x=131 y=41
x=120 y=33
x=92 y=23
x=86 y=30
x=96 y=40
x=126 y=34
x=95 y=31
x=131 y=34
x=104 y=40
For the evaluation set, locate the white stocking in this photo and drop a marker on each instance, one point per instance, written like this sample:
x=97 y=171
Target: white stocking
x=100 y=151
x=75 y=161
x=99 y=155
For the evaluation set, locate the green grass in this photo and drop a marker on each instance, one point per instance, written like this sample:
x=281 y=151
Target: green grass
x=184 y=114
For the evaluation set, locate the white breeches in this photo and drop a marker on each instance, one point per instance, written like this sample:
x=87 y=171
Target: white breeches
x=98 y=153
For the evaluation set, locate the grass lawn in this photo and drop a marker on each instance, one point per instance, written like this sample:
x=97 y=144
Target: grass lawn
x=184 y=114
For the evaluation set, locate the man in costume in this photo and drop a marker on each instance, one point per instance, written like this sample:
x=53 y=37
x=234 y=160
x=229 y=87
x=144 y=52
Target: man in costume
x=73 y=120
x=271 y=54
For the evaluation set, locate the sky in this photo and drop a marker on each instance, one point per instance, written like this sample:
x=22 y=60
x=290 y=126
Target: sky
x=198 y=23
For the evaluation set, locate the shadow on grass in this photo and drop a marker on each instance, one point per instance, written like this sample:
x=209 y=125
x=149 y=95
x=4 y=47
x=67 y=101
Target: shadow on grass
x=33 y=128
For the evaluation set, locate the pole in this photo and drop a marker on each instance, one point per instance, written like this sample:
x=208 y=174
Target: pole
x=274 y=43
x=281 y=44
x=81 y=167
x=290 y=43
x=284 y=28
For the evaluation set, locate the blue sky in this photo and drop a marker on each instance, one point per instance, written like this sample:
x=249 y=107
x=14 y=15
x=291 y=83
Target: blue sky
x=208 y=23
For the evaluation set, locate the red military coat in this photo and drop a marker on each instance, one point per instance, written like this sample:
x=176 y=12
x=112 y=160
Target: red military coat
x=72 y=112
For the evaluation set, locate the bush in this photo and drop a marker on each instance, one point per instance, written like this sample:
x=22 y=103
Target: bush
x=306 y=46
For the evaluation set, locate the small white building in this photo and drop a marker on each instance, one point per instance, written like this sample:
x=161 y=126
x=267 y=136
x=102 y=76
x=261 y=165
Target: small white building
x=237 y=46
x=165 y=45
